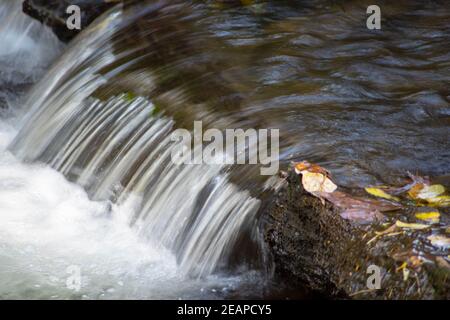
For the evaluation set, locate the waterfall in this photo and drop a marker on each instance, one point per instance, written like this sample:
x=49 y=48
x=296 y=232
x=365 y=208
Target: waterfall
x=119 y=149
x=25 y=45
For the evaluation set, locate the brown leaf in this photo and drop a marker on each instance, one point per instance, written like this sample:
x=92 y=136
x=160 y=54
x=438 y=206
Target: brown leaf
x=361 y=215
x=358 y=209
x=346 y=201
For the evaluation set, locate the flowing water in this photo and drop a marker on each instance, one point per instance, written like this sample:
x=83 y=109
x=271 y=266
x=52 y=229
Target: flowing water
x=86 y=177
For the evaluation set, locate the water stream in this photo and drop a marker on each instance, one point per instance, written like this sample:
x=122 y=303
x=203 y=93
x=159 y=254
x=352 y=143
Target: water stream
x=85 y=173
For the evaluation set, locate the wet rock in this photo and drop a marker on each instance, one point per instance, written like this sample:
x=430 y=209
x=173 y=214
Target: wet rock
x=313 y=247
x=53 y=13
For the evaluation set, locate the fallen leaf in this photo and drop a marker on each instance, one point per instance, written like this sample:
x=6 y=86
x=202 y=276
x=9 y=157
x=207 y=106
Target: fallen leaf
x=357 y=209
x=403 y=266
x=380 y=193
x=415 y=189
x=391 y=190
x=440 y=201
x=432 y=216
x=361 y=215
x=317 y=182
x=346 y=201
x=415 y=226
x=429 y=192
x=299 y=167
x=439 y=241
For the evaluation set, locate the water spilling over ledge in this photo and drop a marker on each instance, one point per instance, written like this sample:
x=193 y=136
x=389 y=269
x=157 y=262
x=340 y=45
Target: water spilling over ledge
x=102 y=115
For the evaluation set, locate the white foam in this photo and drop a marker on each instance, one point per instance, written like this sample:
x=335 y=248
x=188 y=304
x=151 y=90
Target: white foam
x=48 y=224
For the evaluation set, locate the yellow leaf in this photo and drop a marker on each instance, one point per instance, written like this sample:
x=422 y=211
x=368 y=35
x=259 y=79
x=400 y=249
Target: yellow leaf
x=317 y=182
x=439 y=241
x=429 y=216
x=441 y=201
x=380 y=194
x=416 y=226
x=432 y=191
x=447 y=230
x=403 y=266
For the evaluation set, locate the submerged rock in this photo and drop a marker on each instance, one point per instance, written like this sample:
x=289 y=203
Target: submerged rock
x=53 y=13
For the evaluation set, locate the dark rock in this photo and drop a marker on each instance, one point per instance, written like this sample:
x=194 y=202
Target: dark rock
x=53 y=13
x=300 y=233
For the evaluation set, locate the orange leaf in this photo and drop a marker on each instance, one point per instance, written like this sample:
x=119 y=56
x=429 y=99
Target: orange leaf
x=414 y=191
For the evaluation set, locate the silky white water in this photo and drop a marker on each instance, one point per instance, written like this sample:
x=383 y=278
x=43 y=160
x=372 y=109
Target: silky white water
x=134 y=224
x=49 y=224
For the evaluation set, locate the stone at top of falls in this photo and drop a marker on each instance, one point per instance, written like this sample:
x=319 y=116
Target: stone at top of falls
x=53 y=13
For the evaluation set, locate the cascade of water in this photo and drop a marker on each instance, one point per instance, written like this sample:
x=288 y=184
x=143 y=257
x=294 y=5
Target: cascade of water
x=120 y=151
x=25 y=44
x=26 y=50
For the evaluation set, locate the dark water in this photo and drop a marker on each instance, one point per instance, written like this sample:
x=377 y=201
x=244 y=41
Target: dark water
x=367 y=104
